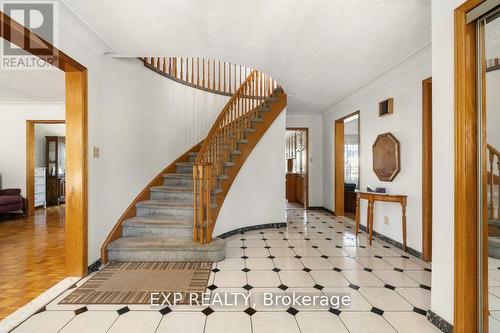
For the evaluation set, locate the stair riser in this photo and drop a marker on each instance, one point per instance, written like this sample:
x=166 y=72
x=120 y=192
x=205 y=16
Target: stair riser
x=186 y=233
x=168 y=212
x=192 y=159
x=174 y=197
x=185 y=169
x=165 y=256
x=183 y=182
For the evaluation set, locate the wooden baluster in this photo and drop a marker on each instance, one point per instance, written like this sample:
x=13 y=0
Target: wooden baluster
x=498 y=188
x=203 y=73
x=182 y=72
x=241 y=78
x=192 y=70
x=195 y=211
x=208 y=225
x=491 y=181
x=198 y=71
x=234 y=74
x=218 y=77
x=229 y=75
x=201 y=214
x=213 y=72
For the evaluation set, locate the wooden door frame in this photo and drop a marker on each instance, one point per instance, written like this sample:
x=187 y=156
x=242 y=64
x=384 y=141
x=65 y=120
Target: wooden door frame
x=306 y=130
x=338 y=179
x=76 y=139
x=466 y=291
x=30 y=160
x=427 y=169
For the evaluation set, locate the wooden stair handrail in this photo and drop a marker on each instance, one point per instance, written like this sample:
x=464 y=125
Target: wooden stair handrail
x=492 y=179
x=220 y=117
x=214 y=76
x=493 y=150
x=216 y=153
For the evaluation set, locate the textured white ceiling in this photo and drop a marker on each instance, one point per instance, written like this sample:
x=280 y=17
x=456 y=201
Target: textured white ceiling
x=30 y=86
x=318 y=50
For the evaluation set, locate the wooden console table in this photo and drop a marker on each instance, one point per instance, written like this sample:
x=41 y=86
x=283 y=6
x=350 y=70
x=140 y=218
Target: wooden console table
x=372 y=197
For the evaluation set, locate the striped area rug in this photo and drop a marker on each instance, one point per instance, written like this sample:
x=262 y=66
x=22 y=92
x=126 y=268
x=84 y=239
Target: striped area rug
x=133 y=283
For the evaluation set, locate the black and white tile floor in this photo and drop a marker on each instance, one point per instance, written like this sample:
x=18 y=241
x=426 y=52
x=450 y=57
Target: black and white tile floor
x=315 y=254
x=494 y=294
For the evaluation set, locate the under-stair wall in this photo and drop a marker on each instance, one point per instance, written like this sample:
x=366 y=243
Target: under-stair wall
x=257 y=195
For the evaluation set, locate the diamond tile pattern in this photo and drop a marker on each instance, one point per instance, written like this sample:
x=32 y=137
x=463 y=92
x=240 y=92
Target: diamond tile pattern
x=314 y=244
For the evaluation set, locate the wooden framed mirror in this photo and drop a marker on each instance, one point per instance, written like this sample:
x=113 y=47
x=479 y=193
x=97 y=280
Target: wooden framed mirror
x=386 y=157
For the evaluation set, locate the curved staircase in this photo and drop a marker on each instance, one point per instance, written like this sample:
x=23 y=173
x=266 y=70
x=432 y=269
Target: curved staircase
x=172 y=219
x=162 y=229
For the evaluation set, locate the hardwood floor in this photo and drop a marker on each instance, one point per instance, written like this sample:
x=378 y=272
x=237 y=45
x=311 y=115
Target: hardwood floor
x=32 y=256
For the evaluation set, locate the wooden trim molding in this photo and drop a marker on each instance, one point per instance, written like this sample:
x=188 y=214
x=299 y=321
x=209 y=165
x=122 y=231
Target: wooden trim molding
x=130 y=212
x=466 y=318
x=338 y=179
x=306 y=130
x=427 y=169
x=76 y=138
x=76 y=237
x=339 y=168
x=30 y=160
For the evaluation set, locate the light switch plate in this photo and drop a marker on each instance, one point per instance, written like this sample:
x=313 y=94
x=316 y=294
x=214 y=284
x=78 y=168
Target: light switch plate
x=95 y=152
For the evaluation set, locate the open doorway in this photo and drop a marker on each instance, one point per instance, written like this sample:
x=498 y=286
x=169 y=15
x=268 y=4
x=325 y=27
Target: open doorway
x=28 y=243
x=45 y=164
x=297 y=170
x=346 y=164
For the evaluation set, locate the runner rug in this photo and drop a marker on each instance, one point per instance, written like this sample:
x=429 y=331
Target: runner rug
x=133 y=283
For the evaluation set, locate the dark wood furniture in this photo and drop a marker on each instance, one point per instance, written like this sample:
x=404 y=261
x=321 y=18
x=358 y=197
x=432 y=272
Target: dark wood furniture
x=296 y=187
x=55 y=162
x=372 y=197
x=350 y=198
x=291 y=187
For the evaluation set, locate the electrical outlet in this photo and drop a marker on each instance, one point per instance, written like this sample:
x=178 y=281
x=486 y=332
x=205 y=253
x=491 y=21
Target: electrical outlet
x=95 y=152
x=386 y=219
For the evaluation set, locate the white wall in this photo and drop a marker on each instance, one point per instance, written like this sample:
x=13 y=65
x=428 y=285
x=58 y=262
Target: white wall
x=140 y=120
x=257 y=195
x=443 y=157
x=493 y=109
x=13 y=118
x=404 y=83
x=41 y=131
x=313 y=123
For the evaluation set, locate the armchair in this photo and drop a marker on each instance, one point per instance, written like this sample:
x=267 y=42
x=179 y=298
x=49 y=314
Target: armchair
x=11 y=200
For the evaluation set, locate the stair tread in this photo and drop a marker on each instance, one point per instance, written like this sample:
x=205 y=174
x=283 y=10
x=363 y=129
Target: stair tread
x=177 y=175
x=193 y=153
x=185 y=163
x=162 y=244
x=165 y=188
x=163 y=204
x=161 y=222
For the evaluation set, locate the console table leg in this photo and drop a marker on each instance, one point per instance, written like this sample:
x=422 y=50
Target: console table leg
x=370 y=220
x=357 y=216
x=403 y=206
